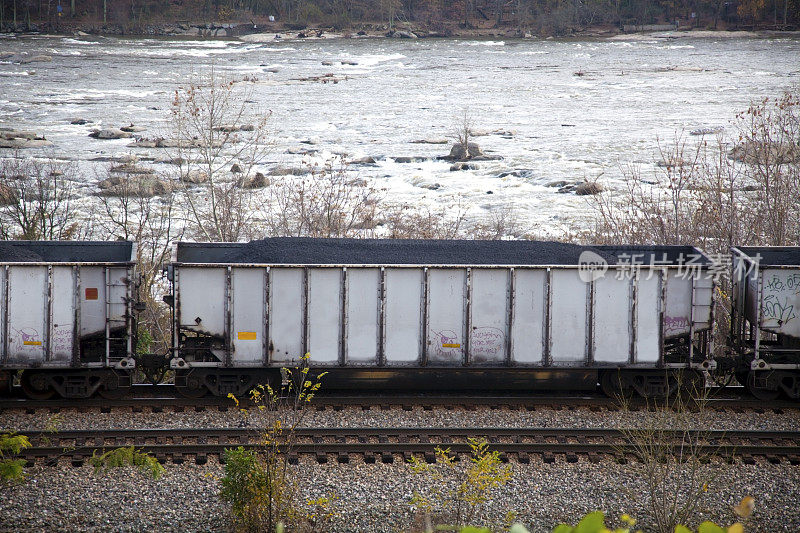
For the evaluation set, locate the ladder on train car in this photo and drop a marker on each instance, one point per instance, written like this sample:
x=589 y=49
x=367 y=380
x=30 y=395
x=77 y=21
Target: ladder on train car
x=122 y=323
x=699 y=309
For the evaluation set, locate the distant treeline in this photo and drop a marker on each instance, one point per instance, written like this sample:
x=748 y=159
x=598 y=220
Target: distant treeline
x=542 y=16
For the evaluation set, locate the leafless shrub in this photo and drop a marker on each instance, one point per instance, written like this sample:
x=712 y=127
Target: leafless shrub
x=37 y=200
x=328 y=202
x=671 y=446
x=217 y=138
x=462 y=129
x=769 y=146
x=423 y=222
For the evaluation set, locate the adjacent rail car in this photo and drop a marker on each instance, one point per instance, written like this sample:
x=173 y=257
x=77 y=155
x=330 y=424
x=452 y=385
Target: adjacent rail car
x=399 y=314
x=66 y=317
x=765 y=319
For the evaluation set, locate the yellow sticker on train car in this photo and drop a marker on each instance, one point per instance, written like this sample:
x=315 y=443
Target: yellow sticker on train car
x=32 y=343
x=450 y=345
x=247 y=335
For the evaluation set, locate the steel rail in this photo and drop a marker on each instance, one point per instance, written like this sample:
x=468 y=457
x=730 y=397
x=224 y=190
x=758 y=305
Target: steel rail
x=387 y=443
x=385 y=401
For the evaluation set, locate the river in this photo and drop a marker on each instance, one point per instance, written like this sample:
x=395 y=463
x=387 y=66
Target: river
x=559 y=109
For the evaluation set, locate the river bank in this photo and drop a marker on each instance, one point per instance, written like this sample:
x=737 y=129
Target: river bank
x=260 y=32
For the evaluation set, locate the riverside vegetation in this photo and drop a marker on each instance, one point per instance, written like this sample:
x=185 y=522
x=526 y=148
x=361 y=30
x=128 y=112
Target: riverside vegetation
x=547 y=17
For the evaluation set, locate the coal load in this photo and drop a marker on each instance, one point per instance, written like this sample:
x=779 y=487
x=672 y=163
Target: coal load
x=13 y=253
x=779 y=256
x=290 y=250
x=65 y=252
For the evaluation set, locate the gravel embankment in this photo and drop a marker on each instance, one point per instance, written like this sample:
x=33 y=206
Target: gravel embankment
x=72 y=419
x=374 y=498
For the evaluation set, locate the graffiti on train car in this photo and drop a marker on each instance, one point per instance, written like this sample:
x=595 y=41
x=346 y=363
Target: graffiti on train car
x=780 y=296
x=674 y=324
x=488 y=342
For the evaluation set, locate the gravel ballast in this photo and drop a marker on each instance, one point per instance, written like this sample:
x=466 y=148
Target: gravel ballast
x=72 y=419
x=374 y=498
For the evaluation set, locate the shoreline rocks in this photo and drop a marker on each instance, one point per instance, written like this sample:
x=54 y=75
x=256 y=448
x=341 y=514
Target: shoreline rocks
x=18 y=139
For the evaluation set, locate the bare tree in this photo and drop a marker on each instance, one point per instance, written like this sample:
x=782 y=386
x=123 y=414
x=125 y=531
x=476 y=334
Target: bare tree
x=217 y=139
x=36 y=199
x=328 y=202
x=134 y=214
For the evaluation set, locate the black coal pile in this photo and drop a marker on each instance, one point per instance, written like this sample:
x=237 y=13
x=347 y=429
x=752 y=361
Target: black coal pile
x=774 y=256
x=396 y=251
x=13 y=253
x=65 y=252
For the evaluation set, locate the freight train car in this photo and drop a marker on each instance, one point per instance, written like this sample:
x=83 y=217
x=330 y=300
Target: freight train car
x=400 y=314
x=765 y=319
x=66 y=316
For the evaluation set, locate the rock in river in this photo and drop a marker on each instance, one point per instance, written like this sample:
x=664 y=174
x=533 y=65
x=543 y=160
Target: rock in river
x=109 y=133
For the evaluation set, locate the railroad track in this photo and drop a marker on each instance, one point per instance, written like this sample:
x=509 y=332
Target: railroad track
x=165 y=399
x=390 y=444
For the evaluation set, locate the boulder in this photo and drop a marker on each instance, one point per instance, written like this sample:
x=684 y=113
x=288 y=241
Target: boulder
x=236 y=169
x=431 y=140
x=459 y=152
x=286 y=171
x=131 y=168
x=11 y=138
x=142 y=186
x=109 y=133
x=754 y=153
x=132 y=129
x=406 y=159
x=7 y=133
x=256 y=181
x=431 y=186
x=588 y=188
x=37 y=59
x=195 y=177
x=79 y=121
x=463 y=166
x=368 y=160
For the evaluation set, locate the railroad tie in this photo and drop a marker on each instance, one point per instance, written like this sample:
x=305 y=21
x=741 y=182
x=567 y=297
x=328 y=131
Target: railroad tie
x=403 y=439
x=430 y=455
x=157 y=409
x=548 y=457
x=137 y=408
x=77 y=460
x=199 y=408
x=177 y=408
x=386 y=456
x=322 y=457
x=342 y=457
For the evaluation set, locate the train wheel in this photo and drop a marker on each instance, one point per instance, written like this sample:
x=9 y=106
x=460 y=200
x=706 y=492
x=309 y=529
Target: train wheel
x=190 y=387
x=36 y=386
x=760 y=393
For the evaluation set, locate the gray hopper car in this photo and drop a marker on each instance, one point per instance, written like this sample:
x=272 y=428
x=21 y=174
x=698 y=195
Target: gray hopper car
x=399 y=314
x=765 y=319
x=66 y=316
